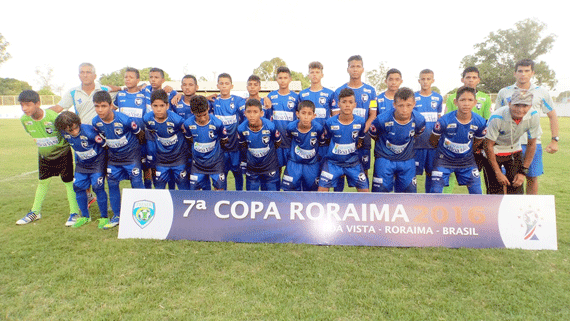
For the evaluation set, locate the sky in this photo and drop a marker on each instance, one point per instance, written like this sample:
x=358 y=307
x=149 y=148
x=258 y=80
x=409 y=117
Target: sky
x=207 y=38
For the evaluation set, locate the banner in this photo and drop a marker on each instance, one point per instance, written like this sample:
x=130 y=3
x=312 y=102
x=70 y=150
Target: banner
x=366 y=219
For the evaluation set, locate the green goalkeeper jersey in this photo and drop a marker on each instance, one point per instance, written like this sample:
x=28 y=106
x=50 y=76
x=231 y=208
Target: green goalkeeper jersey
x=483 y=107
x=51 y=144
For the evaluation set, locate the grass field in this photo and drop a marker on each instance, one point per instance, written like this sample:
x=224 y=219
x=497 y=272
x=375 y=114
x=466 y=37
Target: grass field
x=52 y=272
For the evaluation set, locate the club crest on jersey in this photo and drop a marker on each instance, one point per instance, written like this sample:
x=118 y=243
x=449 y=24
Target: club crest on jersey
x=475 y=172
x=322 y=100
x=49 y=130
x=84 y=144
x=170 y=130
x=265 y=139
x=211 y=134
x=100 y=180
x=143 y=212
x=362 y=177
x=479 y=105
x=290 y=104
x=412 y=133
x=138 y=101
x=354 y=134
x=222 y=177
x=364 y=98
x=232 y=105
x=470 y=135
x=136 y=171
x=118 y=131
x=434 y=104
x=313 y=141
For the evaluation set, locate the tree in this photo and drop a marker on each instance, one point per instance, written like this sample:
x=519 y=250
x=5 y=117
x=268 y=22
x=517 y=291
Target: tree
x=376 y=77
x=267 y=69
x=4 y=55
x=46 y=82
x=497 y=55
x=11 y=86
x=116 y=78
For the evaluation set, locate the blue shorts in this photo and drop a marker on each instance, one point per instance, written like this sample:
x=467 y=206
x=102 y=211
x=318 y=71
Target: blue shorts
x=82 y=181
x=364 y=155
x=399 y=176
x=424 y=160
x=331 y=173
x=150 y=154
x=268 y=181
x=131 y=172
x=178 y=173
x=301 y=177
x=469 y=176
x=536 y=168
x=202 y=181
x=283 y=156
x=232 y=161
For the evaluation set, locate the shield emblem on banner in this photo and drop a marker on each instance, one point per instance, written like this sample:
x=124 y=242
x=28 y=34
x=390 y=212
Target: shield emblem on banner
x=143 y=213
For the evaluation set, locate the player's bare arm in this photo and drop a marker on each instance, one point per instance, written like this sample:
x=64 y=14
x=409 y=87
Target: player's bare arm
x=434 y=140
x=553 y=146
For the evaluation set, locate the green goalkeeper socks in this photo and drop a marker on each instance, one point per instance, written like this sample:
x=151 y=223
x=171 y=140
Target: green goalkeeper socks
x=41 y=192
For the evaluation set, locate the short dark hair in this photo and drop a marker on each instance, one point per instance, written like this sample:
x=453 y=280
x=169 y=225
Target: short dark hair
x=253 y=102
x=393 y=71
x=29 y=95
x=65 y=120
x=283 y=69
x=135 y=70
x=159 y=94
x=403 y=93
x=254 y=78
x=345 y=92
x=190 y=77
x=426 y=71
x=464 y=89
x=468 y=70
x=315 y=65
x=157 y=70
x=306 y=104
x=225 y=75
x=199 y=104
x=526 y=63
x=355 y=57
x=102 y=96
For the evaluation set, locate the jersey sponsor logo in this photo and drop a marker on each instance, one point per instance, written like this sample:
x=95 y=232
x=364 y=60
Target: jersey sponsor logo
x=283 y=115
x=46 y=142
x=435 y=98
x=418 y=99
x=344 y=149
x=132 y=112
x=204 y=147
x=321 y=112
x=359 y=112
x=151 y=123
x=29 y=123
x=452 y=125
x=169 y=141
x=192 y=127
x=259 y=152
x=389 y=124
x=265 y=132
x=396 y=149
x=304 y=95
x=305 y=153
x=335 y=127
x=356 y=126
x=456 y=148
x=117 y=143
x=473 y=127
x=88 y=154
x=67 y=136
x=430 y=116
x=121 y=94
x=117 y=125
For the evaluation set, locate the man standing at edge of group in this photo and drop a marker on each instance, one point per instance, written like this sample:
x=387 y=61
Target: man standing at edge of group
x=524 y=71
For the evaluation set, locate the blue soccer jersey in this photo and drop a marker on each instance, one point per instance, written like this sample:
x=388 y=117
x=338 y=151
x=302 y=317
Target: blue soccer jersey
x=430 y=107
x=395 y=141
x=323 y=100
x=304 y=146
x=181 y=108
x=384 y=103
x=365 y=97
x=207 y=153
x=261 y=155
x=229 y=111
x=171 y=148
x=455 y=147
x=343 y=139
x=119 y=134
x=89 y=152
x=283 y=108
x=131 y=104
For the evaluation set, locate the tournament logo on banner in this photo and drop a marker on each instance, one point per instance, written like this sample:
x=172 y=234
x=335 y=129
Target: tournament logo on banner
x=143 y=213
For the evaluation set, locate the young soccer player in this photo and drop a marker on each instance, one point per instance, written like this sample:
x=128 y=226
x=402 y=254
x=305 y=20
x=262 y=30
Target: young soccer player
x=90 y=164
x=283 y=105
x=345 y=135
x=54 y=155
x=428 y=104
x=226 y=107
x=165 y=127
x=470 y=78
x=124 y=138
x=259 y=138
x=456 y=135
x=394 y=132
x=189 y=86
x=503 y=146
x=207 y=136
x=365 y=98
x=386 y=99
x=253 y=87
x=303 y=168
x=524 y=72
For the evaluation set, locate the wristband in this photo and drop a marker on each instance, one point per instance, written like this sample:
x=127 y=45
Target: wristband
x=523 y=170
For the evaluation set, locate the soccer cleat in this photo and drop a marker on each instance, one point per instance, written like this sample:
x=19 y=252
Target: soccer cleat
x=82 y=221
x=91 y=198
x=102 y=222
x=112 y=223
x=72 y=219
x=30 y=217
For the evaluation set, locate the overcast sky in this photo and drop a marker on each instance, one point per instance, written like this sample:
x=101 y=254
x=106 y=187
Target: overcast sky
x=211 y=37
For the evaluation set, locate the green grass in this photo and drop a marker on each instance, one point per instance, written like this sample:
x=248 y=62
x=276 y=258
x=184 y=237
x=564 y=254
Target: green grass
x=58 y=273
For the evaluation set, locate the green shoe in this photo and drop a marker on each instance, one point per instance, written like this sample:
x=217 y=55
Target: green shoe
x=102 y=222
x=81 y=221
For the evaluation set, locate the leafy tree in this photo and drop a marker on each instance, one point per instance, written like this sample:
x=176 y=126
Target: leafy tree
x=305 y=82
x=11 y=86
x=266 y=72
x=45 y=80
x=376 y=77
x=497 y=55
x=116 y=78
x=4 y=55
